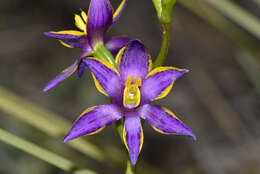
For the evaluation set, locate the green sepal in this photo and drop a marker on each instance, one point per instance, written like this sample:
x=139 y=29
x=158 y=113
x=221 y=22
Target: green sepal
x=100 y=51
x=164 y=9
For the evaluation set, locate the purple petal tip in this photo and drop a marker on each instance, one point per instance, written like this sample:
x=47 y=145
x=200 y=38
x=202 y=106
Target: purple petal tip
x=135 y=41
x=46 y=89
x=47 y=33
x=133 y=160
x=186 y=70
x=191 y=135
x=66 y=139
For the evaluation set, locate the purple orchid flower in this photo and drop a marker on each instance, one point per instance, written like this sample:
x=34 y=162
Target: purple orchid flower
x=92 y=29
x=131 y=86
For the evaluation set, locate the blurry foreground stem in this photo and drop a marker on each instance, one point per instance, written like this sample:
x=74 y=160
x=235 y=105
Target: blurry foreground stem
x=46 y=121
x=41 y=153
x=238 y=15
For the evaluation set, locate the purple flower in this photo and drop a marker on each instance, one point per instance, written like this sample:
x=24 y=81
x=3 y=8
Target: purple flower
x=92 y=29
x=132 y=86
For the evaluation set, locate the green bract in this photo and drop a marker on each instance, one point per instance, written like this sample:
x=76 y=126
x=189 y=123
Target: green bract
x=164 y=9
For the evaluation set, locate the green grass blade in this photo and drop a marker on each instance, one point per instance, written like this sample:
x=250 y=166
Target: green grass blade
x=45 y=121
x=257 y=2
x=238 y=15
x=234 y=33
x=43 y=154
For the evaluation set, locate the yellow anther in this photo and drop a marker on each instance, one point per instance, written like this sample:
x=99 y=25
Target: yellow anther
x=84 y=16
x=129 y=81
x=132 y=94
x=80 y=23
x=138 y=82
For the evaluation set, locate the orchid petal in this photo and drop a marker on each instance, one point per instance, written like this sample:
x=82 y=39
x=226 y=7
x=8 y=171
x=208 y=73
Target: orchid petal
x=158 y=83
x=64 y=34
x=164 y=121
x=71 y=38
x=133 y=135
x=81 y=68
x=119 y=10
x=114 y=44
x=134 y=61
x=99 y=20
x=106 y=77
x=62 y=76
x=94 y=120
x=65 y=73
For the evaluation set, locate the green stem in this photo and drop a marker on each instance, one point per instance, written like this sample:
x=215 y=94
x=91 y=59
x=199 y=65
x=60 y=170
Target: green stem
x=130 y=169
x=166 y=37
x=41 y=153
x=102 y=52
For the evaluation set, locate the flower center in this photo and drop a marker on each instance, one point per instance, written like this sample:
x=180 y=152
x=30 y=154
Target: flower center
x=132 y=95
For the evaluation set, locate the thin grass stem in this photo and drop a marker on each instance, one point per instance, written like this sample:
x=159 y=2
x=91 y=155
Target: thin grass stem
x=45 y=121
x=41 y=153
x=239 y=15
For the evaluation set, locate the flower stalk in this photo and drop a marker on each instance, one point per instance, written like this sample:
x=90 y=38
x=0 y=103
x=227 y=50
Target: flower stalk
x=130 y=169
x=164 y=12
x=166 y=39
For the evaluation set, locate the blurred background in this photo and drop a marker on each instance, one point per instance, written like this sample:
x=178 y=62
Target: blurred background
x=217 y=40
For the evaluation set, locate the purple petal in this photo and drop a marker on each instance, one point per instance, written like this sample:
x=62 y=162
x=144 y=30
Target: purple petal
x=158 y=83
x=119 y=10
x=164 y=121
x=65 y=73
x=106 y=78
x=100 y=16
x=75 y=41
x=133 y=135
x=93 y=120
x=62 y=76
x=134 y=61
x=81 y=68
x=114 y=44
